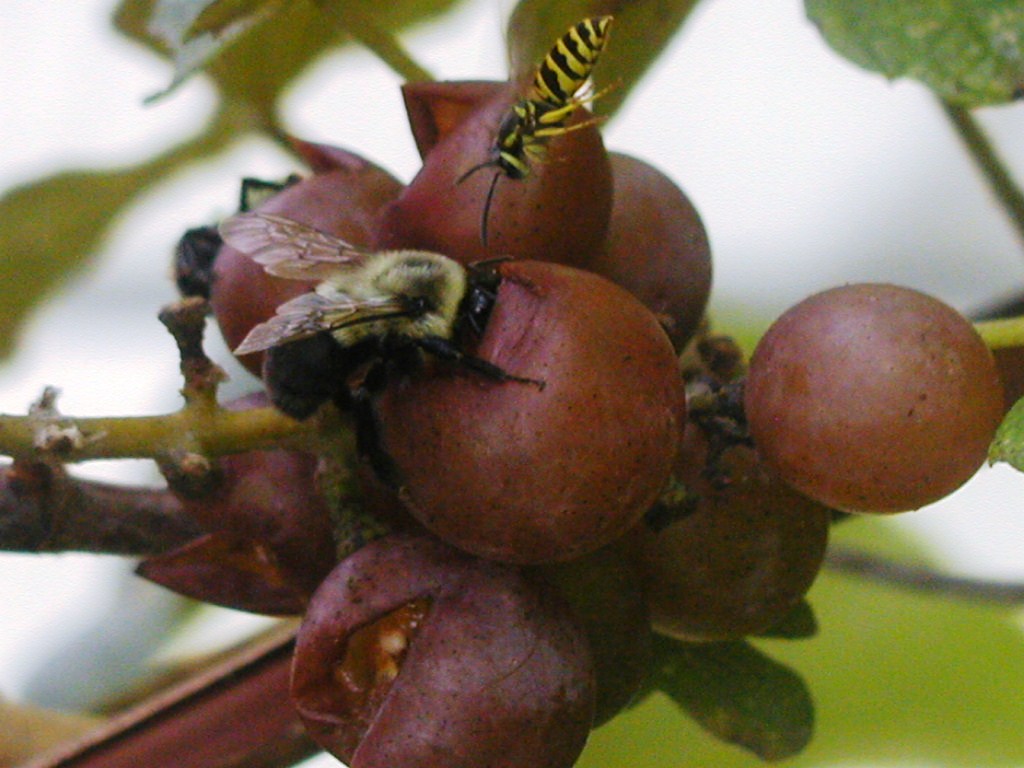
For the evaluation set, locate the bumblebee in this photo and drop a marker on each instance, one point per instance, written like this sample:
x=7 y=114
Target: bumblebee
x=372 y=315
x=193 y=261
x=552 y=98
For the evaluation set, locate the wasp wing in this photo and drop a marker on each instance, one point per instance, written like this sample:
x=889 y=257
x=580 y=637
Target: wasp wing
x=311 y=313
x=286 y=248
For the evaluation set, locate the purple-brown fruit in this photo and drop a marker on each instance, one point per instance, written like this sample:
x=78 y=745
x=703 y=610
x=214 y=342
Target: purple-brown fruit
x=873 y=398
x=342 y=198
x=435 y=109
x=559 y=212
x=518 y=472
x=414 y=654
x=657 y=247
x=740 y=560
x=605 y=591
x=269 y=539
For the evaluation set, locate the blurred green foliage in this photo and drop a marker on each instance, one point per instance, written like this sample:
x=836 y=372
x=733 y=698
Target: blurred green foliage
x=641 y=31
x=897 y=678
x=970 y=52
x=1008 y=445
x=967 y=51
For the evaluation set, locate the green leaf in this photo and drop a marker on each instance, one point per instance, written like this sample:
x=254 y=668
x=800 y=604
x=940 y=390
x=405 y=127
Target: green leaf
x=799 y=624
x=1008 y=444
x=970 y=52
x=179 y=25
x=367 y=29
x=131 y=19
x=54 y=226
x=738 y=694
x=640 y=32
x=251 y=68
x=897 y=677
x=266 y=51
x=217 y=17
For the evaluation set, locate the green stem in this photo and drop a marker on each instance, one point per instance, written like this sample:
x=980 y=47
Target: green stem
x=1002 y=333
x=379 y=41
x=211 y=432
x=1006 y=190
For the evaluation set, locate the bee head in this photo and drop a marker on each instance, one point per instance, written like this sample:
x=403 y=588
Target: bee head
x=481 y=293
x=432 y=286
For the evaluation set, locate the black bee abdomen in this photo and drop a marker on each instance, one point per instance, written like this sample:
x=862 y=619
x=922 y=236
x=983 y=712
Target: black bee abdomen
x=302 y=375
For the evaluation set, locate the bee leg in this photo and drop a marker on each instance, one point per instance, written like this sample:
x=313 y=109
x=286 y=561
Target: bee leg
x=444 y=349
x=256 y=191
x=369 y=444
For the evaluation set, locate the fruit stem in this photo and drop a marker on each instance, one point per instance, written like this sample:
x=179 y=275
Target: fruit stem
x=923 y=579
x=381 y=42
x=202 y=427
x=1002 y=333
x=43 y=509
x=211 y=433
x=988 y=161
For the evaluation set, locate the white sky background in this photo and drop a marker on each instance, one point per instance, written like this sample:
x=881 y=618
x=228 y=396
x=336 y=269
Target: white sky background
x=807 y=171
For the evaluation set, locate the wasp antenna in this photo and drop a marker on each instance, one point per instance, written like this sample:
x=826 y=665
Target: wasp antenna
x=487 y=208
x=474 y=169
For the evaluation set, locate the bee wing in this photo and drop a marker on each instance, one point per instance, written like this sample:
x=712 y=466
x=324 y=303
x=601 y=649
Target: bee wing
x=311 y=313
x=301 y=317
x=286 y=248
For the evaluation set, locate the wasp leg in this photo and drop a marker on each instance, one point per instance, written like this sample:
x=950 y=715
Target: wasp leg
x=559 y=129
x=444 y=349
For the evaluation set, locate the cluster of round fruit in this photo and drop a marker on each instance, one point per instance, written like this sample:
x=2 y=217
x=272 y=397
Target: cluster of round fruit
x=545 y=520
